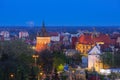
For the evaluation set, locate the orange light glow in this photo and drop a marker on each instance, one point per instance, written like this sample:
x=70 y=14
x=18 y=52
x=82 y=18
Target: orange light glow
x=35 y=56
x=41 y=43
x=41 y=73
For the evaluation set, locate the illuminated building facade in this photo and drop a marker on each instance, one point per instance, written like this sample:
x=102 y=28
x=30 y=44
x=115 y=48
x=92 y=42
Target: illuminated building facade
x=42 y=39
x=88 y=40
x=94 y=61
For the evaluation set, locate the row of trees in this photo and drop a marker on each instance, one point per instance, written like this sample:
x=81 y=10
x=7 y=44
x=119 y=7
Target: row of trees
x=111 y=59
x=52 y=61
x=15 y=60
x=49 y=60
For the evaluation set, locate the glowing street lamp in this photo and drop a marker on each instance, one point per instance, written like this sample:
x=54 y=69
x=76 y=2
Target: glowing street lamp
x=41 y=73
x=11 y=75
x=35 y=56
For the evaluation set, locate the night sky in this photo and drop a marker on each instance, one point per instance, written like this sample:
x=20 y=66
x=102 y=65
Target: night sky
x=60 y=12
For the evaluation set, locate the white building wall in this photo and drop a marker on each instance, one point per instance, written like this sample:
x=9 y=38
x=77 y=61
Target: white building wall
x=55 y=38
x=5 y=34
x=23 y=34
x=93 y=61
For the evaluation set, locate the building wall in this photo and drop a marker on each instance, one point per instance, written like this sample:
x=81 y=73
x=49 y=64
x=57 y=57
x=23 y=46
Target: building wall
x=5 y=34
x=83 y=48
x=94 y=62
x=55 y=38
x=23 y=34
x=42 y=43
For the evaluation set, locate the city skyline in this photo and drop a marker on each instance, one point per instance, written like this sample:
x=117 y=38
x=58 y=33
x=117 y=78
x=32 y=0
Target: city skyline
x=60 y=12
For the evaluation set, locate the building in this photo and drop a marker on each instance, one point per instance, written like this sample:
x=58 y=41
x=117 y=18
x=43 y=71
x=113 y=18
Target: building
x=5 y=35
x=54 y=36
x=94 y=58
x=88 y=40
x=55 y=44
x=115 y=37
x=1 y=38
x=42 y=39
x=23 y=34
x=65 y=39
x=74 y=39
x=118 y=41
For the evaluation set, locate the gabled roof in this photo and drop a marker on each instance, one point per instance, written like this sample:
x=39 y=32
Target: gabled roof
x=91 y=39
x=95 y=50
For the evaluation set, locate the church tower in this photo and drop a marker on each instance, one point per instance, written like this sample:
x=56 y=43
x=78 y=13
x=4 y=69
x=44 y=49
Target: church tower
x=42 y=39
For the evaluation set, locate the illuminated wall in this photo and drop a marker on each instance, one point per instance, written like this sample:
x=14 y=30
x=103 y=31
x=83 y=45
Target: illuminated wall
x=94 y=62
x=83 y=48
x=42 y=43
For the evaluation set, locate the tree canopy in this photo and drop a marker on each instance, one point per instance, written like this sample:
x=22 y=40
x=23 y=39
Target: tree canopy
x=16 y=57
x=111 y=59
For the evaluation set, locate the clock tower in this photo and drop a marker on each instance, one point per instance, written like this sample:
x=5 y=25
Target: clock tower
x=42 y=39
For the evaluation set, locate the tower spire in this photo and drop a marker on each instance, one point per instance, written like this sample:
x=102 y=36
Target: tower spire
x=43 y=24
x=43 y=32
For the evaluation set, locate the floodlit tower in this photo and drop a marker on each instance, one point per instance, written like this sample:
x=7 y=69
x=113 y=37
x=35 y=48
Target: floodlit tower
x=42 y=39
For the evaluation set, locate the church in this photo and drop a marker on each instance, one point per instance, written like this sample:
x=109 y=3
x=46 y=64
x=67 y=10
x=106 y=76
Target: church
x=42 y=39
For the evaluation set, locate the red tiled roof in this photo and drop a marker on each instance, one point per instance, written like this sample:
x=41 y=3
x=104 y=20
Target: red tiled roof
x=90 y=39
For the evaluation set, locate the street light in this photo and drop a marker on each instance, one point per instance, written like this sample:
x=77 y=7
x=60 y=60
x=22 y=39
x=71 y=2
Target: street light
x=40 y=76
x=35 y=56
x=11 y=76
x=74 y=76
x=41 y=73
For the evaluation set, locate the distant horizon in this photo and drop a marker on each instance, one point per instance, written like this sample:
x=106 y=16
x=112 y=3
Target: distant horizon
x=47 y=26
x=31 y=24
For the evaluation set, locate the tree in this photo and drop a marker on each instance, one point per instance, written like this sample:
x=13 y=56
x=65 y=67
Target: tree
x=32 y=75
x=58 y=59
x=106 y=59
x=75 y=59
x=55 y=76
x=50 y=60
x=111 y=59
x=45 y=60
x=13 y=55
x=60 y=67
x=117 y=60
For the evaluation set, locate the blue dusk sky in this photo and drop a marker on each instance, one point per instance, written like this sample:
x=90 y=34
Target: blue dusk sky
x=60 y=12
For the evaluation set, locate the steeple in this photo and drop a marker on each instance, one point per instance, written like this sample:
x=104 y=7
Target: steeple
x=43 y=32
x=43 y=24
